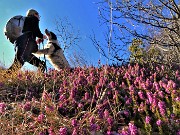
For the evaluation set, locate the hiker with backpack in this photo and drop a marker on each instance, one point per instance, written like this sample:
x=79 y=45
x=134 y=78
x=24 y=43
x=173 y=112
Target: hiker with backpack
x=26 y=43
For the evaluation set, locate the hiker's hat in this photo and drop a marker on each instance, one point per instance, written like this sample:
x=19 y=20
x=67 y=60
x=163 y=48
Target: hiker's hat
x=31 y=12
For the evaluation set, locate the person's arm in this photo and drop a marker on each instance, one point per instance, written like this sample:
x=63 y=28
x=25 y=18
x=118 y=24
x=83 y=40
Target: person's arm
x=37 y=31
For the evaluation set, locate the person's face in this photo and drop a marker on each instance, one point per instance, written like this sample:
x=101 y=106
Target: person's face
x=37 y=15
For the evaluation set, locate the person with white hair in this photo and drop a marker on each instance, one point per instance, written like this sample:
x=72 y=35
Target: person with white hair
x=26 y=44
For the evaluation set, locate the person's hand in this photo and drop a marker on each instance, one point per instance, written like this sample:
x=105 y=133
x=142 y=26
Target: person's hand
x=44 y=37
x=39 y=40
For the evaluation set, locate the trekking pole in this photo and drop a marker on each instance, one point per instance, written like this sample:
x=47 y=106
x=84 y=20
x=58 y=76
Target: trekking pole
x=44 y=56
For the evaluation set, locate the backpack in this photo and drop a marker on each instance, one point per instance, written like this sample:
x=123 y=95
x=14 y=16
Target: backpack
x=13 y=28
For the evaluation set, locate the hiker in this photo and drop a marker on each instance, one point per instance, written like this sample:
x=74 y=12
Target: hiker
x=26 y=44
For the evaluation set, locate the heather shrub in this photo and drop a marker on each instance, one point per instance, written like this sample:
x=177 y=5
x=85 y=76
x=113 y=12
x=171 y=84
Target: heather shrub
x=124 y=100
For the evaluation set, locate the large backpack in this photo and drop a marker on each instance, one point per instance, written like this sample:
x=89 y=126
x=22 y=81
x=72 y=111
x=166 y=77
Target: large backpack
x=13 y=28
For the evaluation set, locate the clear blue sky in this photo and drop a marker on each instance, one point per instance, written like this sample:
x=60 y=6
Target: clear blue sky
x=82 y=14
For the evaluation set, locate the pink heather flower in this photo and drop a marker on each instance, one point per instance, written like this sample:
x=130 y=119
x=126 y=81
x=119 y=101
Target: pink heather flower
x=149 y=84
x=92 y=119
x=131 y=88
x=178 y=132
x=51 y=131
x=112 y=84
x=41 y=133
x=128 y=101
x=154 y=102
x=106 y=113
x=74 y=122
x=123 y=85
x=150 y=97
x=156 y=86
x=159 y=122
x=148 y=119
x=62 y=97
x=162 y=67
x=75 y=132
x=141 y=95
x=63 y=131
x=110 y=121
x=2 y=107
x=177 y=73
x=80 y=105
x=177 y=99
x=132 y=129
x=126 y=113
x=162 y=107
x=27 y=106
x=73 y=93
x=109 y=133
x=93 y=127
x=161 y=94
x=143 y=85
x=141 y=107
x=124 y=132
x=40 y=118
x=65 y=83
x=86 y=96
x=171 y=85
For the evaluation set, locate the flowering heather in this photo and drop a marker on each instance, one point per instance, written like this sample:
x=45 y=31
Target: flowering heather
x=125 y=100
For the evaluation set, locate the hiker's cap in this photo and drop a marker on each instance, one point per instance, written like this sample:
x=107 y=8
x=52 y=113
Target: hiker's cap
x=31 y=12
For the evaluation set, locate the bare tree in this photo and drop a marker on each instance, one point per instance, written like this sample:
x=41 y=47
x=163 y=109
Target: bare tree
x=155 y=22
x=69 y=38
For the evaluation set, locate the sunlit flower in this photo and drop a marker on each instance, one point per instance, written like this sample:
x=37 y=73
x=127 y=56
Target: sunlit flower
x=75 y=131
x=141 y=95
x=74 y=122
x=159 y=122
x=110 y=121
x=162 y=107
x=63 y=131
x=150 y=97
x=132 y=129
x=40 y=118
x=51 y=131
x=148 y=119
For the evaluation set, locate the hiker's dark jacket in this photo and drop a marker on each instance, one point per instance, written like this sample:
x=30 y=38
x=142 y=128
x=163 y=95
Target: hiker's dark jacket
x=32 y=24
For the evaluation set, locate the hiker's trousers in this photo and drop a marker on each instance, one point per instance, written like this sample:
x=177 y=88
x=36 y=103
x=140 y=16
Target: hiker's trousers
x=26 y=45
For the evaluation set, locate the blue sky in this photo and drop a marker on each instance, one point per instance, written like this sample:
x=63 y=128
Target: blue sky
x=82 y=14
